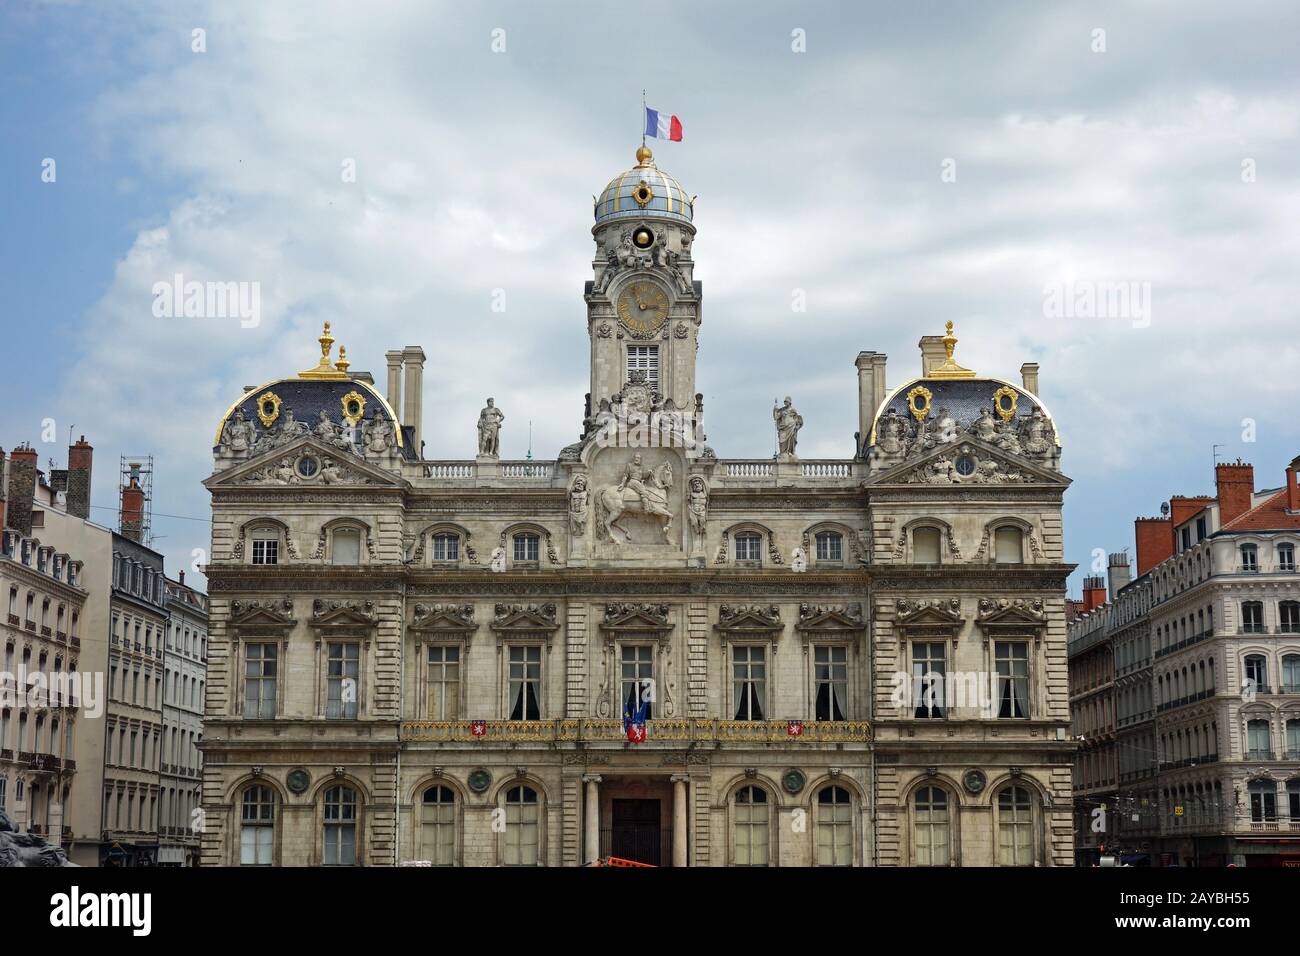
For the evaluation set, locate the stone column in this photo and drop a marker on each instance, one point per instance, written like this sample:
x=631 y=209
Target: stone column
x=55 y=836
x=679 y=819
x=591 y=819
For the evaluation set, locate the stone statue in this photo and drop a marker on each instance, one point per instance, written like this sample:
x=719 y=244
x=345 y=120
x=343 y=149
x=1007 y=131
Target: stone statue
x=498 y=559
x=697 y=504
x=578 y=506
x=985 y=428
x=945 y=431
x=1007 y=438
x=378 y=436
x=331 y=432
x=489 y=430
x=1037 y=436
x=640 y=491
x=239 y=438
x=788 y=422
x=799 y=561
x=892 y=437
x=27 y=849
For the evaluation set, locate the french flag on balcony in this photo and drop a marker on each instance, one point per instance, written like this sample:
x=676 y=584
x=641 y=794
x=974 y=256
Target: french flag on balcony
x=634 y=718
x=662 y=125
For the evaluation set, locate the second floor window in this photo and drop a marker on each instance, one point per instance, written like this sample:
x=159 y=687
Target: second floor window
x=831 y=666
x=1252 y=617
x=266 y=546
x=749 y=682
x=260 y=672
x=1012 y=659
x=1288 y=617
x=257 y=827
x=1286 y=557
x=1258 y=743
x=343 y=681
x=1249 y=557
x=1263 y=801
x=830 y=546
x=1009 y=546
x=346 y=546
x=525 y=682
x=446 y=547
x=925 y=546
x=637 y=677
x=928 y=667
x=444 y=682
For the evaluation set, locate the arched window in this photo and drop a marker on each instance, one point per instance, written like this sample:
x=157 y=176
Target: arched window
x=345 y=546
x=1258 y=744
x=438 y=826
x=834 y=827
x=830 y=546
x=1009 y=545
x=257 y=826
x=528 y=548
x=749 y=548
x=340 y=836
x=1015 y=827
x=522 y=826
x=1291 y=674
x=446 y=547
x=752 y=827
x=1257 y=672
x=931 y=839
x=925 y=545
x=1263 y=801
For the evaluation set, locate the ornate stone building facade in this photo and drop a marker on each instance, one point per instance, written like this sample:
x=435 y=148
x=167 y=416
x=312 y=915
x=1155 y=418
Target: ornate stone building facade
x=638 y=649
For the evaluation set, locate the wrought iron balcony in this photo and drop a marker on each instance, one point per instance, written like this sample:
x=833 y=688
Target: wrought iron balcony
x=666 y=729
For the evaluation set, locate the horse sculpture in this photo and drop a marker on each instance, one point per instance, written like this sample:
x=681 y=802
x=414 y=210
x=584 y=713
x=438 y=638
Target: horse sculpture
x=612 y=502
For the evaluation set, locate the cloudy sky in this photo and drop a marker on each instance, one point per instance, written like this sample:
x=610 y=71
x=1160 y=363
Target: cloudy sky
x=902 y=167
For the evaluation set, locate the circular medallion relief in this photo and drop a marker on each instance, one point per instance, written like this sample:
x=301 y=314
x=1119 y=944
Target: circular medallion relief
x=974 y=780
x=793 y=780
x=479 y=780
x=643 y=238
x=308 y=466
x=298 y=780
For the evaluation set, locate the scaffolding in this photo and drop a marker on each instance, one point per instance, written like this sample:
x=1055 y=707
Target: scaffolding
x=135 y=511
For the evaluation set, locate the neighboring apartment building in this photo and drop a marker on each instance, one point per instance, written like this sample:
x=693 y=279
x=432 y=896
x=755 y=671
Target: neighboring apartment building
x=1207 y=661
x=184 y=685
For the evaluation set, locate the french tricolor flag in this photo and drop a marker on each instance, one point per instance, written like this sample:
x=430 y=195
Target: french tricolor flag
x=662 y=125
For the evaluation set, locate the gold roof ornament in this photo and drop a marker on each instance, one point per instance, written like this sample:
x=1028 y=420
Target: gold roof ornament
x=343 y=363
x=643 y=156
x=325 y=369
x=950 y=369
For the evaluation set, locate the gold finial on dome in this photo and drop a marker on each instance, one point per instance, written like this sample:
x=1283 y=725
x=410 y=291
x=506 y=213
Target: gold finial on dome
x=325 y=369
x=643 y=156
x=950 y=369
x=343 y=363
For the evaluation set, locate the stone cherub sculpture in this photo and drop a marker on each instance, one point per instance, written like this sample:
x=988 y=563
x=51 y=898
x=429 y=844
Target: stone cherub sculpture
x=788 y=422
x=489 y=430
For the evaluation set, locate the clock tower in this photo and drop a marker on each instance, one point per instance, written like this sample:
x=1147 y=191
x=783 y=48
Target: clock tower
x=643 y=304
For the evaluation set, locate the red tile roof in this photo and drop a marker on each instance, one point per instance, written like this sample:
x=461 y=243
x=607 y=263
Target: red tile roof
x=1269 y=515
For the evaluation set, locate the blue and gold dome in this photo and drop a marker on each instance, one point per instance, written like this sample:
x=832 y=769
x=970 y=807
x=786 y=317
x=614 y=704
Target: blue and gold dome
x=644 y=190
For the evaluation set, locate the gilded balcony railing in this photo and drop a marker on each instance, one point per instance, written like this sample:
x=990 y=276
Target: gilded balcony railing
x=665 y=729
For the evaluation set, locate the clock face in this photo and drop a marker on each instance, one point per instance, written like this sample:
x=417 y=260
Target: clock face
x=643 y=306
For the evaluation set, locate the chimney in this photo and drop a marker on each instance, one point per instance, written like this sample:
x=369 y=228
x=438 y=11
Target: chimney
x=1235 y=484
x=1029 y=377
x=395 y=381
x=1292 y=490
x=1094 y=592
x=413 y=390
x=1118 y=572
x=181 y=576
x=80 y=457
x=871 y=392
x=133 y=506
x=22 y=489
x=933 y=354
x=1155 y=542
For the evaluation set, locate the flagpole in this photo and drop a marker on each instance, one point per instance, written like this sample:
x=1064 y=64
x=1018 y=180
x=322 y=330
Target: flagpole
x=643 y=109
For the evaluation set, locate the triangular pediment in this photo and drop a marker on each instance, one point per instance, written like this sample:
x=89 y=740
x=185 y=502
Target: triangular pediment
x=458 y=618
x=1014 y=614
x=929 y=615
x=525 y=617
x=749 y=618
x=991 y=466
x=346 y=614
x=846 y=618
x=280 y=467
x=278 y=614
x=636 y=617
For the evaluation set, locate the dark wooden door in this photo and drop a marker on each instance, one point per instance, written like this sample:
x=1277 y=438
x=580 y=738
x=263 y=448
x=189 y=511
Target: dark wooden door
x=636 y=831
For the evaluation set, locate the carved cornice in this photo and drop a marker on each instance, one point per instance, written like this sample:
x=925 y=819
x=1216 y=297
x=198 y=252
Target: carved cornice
x=817 y=620
x=627 y=616
x=524 y=618
x=444 y=618
x=329 y=614
x=1003 y=618
x=739 y=620
x=262 y=615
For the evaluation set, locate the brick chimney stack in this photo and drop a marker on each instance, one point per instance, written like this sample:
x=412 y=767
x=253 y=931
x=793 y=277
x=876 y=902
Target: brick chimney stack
x=1155 y=542
x=1235 y=484
x=1292 y=487
x=22 y=489
x=80 y=457
x=133 y=506
x=1094 y=592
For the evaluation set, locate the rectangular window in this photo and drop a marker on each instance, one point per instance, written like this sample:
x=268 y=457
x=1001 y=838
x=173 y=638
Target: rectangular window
x=266 y=549
x=1288 y=617
x=1200 y=528
x=1012 y=659
x=637 y=677
x=343 y=681
x=444 y=682
x=749 y=547
x=527 y=547
x=446 y=547
x=929 y=668
x=749 y=682
x=1249 y=557
x=925 y=546
x=644 y=358
x=1252 y=617
x=1285 y=557
x=260 y=672
x=831 y=677
x=830 y=546
x=525 y=681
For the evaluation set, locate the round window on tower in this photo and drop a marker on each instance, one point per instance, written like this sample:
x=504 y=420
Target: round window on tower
x=643 y=238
